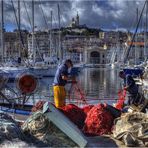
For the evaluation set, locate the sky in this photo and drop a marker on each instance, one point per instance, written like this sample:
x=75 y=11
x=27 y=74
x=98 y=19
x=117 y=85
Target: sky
x=104 y=14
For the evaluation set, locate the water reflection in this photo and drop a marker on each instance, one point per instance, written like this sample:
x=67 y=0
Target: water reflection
x=97 y=84
x=100 y=83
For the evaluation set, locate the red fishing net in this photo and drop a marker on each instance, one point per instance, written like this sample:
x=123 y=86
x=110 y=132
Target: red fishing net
x=87 y=108
x=93 y=119
x=121 y=98
x=76 y=93
x=38 y=106
x=99 y=121
x=75 y=114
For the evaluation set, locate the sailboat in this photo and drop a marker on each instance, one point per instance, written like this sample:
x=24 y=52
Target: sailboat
x=39 y=69
x=135 y=69
x=8 y=70
x=45 y=67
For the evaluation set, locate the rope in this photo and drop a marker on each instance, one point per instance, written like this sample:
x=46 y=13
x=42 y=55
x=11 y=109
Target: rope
x=75 y=87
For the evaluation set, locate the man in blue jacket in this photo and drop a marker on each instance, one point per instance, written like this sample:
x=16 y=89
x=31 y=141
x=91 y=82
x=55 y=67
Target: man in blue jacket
x=60 y=81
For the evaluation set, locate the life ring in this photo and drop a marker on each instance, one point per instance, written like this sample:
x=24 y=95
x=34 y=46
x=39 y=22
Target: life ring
x=27 y=83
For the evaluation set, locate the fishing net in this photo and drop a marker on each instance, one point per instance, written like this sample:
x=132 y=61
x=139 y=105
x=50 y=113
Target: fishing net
x=38 y=106
x=87 y=108
x=76 y=94
x=9 y=129
x=131 y=128
x=121 y=98
x=11 y=134
x=39 y=126
x=99 y=121
x=75 y=114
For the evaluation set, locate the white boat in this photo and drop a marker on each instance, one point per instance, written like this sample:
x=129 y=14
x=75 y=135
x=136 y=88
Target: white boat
x=44 y=70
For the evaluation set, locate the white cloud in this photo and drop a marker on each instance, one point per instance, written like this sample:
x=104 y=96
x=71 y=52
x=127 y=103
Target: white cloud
x=97 y=10
x=95 y=13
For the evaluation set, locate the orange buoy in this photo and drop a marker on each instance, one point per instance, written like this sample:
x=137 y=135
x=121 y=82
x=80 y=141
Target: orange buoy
x=27 y=83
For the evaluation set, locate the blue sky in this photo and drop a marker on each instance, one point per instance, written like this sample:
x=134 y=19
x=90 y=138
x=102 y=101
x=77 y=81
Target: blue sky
x=105 y=14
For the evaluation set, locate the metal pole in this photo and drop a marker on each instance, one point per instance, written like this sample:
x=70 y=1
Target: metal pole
x=50 y=52
x=133 y=38
x=34 y=50
x=2 y=31
x=136 y=48
x=19 y=28
x=60 y=50
x=145 y=41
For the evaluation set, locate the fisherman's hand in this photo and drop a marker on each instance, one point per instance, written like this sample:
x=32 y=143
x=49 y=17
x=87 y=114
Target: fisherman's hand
x=74 y=81
x=125 y=88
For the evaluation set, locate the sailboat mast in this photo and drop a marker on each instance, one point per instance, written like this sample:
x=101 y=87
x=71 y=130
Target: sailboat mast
x=34 y=50
x=145 y=34
x=136 y=40
x=59 y=49
x=2 y=31
x=50 y=52
x=19 y=28
x=133 y=38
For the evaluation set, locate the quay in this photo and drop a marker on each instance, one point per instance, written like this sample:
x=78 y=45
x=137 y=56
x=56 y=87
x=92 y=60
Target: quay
x=76 y=76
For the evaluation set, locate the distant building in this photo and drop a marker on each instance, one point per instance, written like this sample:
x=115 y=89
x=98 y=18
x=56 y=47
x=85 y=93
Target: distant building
x=14 y=45
x=87 y=49
x=95 y=55
x=41 y=44
x=137 y=51
x=75 y=21
x=101 y=35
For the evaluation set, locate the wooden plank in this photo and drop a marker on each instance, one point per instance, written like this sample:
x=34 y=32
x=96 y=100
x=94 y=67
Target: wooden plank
x=65 y=125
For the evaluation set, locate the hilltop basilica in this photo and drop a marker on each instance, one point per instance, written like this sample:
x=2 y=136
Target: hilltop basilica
x=75 y=21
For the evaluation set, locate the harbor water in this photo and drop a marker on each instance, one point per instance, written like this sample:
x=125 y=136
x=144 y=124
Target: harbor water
x=94 y=84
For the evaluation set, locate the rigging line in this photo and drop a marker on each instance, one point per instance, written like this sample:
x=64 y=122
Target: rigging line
x=27 y=14
x=146 y=53
x=55 y=26
x=145 y=33
x=46 y=22
x=146 y=15
x=20 y=34
x=142 y=24
x=54 y=21
x=131 y=26
x=17 y=24
x=62 y=18
x=45 y=18
x=32 y=29
x=29 y=23
x=127 y=54
x=133 y=22
x=27 y=64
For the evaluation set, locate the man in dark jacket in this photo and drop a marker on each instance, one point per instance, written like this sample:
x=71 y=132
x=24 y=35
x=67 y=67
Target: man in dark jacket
x=60 y=81
x=133 y=96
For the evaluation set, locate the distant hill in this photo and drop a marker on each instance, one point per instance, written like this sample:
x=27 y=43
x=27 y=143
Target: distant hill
x=81 y=30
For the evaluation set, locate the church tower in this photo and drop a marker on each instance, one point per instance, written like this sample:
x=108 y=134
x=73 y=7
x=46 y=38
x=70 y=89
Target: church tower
x=77 y=20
